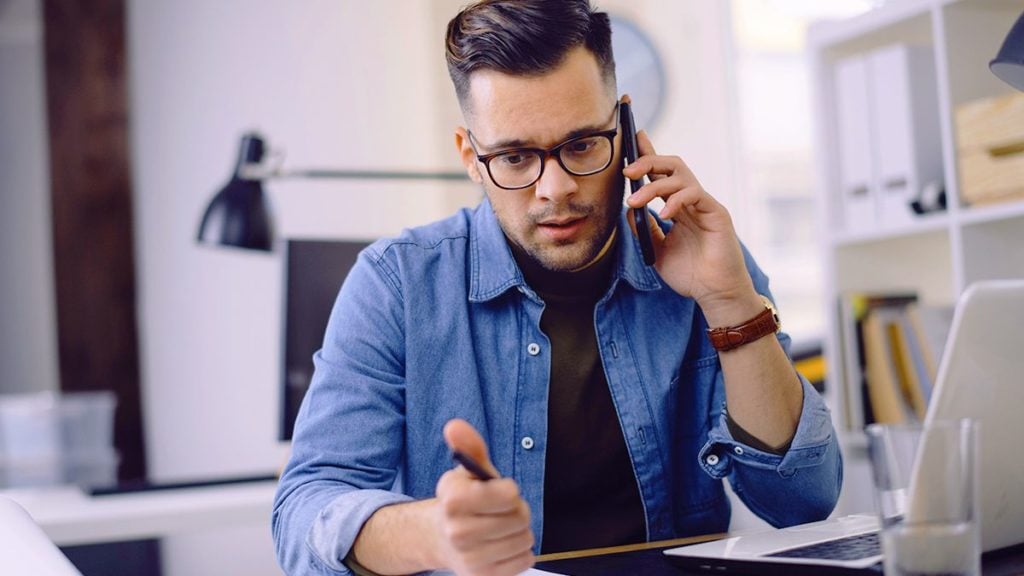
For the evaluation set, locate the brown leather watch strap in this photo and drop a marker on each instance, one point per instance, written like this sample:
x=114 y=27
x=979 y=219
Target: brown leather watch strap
x=729 y=338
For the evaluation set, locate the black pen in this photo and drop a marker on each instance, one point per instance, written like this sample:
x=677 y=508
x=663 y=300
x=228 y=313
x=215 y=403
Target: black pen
x=471 y=465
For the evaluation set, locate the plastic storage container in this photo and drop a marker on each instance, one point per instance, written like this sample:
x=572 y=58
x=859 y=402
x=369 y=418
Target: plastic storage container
x=48 y=439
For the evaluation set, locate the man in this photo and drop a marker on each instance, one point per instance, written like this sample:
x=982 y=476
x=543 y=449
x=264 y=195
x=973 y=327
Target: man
x=528 y=334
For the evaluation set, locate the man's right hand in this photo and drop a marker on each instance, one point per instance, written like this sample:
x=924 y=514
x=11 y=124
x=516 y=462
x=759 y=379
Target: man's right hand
x=483 y=526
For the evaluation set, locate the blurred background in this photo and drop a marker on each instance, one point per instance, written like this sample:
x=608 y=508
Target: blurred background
x=120 y=120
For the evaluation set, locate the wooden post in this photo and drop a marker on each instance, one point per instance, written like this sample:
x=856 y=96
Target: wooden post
x=90 y=172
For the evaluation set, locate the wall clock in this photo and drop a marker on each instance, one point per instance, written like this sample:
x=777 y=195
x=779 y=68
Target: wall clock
x=639 y=71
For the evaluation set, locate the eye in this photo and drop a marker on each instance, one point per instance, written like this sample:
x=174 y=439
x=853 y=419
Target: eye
x=511 y=159
x=582 y=146
x=514 y=160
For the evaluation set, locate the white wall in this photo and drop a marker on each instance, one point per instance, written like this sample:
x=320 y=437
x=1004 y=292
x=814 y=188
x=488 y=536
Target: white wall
x=28 y=336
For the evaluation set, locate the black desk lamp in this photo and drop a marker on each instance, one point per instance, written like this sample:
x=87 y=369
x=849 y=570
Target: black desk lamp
x=1009 y=63
x=238 y=215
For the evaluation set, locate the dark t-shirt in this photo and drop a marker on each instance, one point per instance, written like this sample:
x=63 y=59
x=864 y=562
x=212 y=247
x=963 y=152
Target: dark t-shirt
x=590 y=491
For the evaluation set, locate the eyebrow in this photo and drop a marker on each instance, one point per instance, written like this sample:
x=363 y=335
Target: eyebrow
x=511 y=143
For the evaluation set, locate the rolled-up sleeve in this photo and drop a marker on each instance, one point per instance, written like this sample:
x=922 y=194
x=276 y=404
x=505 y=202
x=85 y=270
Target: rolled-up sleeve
x=800 y=486
x=348 y=436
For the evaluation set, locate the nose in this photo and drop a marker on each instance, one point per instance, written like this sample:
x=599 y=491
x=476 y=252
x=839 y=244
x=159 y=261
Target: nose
x=555 y=185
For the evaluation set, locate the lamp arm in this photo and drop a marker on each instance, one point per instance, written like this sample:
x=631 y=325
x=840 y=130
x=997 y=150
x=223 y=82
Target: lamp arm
x=270 y=171
x=372 y=174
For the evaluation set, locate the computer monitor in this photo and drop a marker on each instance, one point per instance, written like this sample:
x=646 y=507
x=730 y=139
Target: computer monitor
x=314 y=271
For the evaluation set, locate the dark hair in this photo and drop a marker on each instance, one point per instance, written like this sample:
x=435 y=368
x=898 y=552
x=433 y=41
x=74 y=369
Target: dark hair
x=524 y=37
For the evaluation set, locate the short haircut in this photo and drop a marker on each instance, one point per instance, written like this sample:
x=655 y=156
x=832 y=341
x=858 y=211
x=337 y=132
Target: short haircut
x=524 y=38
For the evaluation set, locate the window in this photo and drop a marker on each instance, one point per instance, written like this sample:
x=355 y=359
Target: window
x=776 y=211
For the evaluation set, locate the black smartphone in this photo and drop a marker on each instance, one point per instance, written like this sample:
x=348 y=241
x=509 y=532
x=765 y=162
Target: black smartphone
x=630 y=152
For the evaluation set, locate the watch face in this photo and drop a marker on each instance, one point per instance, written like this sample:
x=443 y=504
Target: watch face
x=775 y=312
x=638 y=71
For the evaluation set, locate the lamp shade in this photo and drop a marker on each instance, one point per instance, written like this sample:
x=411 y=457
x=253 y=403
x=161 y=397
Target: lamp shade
x=237 y=215
x=1009 y=63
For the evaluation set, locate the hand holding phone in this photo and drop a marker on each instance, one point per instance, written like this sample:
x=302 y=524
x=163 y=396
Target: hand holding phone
x=630 y=154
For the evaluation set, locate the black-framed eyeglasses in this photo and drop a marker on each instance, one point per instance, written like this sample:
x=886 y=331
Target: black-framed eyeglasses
x=518 y=168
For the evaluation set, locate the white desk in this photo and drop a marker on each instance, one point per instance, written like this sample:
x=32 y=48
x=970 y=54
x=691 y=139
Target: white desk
x=70 y=517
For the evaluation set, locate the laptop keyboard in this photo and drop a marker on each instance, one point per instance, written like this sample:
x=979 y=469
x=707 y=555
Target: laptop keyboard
x=849 y=548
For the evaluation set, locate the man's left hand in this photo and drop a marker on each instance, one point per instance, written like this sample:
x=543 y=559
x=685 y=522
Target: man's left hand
x=701 y=255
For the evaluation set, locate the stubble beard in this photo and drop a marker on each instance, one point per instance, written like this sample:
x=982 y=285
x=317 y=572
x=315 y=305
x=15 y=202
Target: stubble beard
x=574 y=254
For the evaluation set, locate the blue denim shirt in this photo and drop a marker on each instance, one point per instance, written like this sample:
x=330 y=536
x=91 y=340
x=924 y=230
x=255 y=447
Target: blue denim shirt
x=439 y=324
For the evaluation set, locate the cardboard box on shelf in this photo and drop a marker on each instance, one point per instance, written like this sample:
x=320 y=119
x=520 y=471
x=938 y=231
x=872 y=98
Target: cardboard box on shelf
x=990 y=149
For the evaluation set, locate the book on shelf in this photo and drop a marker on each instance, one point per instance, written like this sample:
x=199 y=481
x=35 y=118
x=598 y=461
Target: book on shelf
x=931 y=326
x=910 y=384
x=809 y=360
x=891 y=345
x=886 y=389
x=913 y=349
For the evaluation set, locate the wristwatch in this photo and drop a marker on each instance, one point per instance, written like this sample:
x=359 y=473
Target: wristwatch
x=732 y=337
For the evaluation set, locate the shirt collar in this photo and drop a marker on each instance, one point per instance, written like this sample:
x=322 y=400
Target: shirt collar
x=493 y=270
x=491 y=266
x=631 y=261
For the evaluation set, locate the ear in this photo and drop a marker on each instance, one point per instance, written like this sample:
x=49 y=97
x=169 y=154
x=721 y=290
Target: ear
x=467 y=155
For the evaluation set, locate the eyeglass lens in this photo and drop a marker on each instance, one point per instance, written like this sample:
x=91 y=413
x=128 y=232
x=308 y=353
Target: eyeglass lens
x=581 y=157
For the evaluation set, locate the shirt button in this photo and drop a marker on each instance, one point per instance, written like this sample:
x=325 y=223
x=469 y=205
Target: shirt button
x=533 y=348
x=526 y=443
x=738 y=450
x=712 y=459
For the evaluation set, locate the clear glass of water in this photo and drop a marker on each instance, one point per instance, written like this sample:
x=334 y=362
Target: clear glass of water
x=926 y=492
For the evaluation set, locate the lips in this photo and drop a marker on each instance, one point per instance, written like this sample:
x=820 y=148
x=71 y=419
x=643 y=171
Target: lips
x=561 y=229
x=562 y=222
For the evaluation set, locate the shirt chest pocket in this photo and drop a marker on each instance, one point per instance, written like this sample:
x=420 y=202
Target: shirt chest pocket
x=692 y=391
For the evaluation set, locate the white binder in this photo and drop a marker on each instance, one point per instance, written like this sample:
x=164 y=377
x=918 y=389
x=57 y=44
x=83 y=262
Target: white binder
x=905 y=120
x=856 y=170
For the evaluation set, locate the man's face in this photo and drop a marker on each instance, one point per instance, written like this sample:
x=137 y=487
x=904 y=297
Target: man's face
x=562 y=220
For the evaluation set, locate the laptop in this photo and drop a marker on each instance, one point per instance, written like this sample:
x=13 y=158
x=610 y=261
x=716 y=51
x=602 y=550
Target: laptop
x=25 y=548
x=980 y=377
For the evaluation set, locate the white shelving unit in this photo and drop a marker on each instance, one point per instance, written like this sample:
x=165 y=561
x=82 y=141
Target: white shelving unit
x=936 y=255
